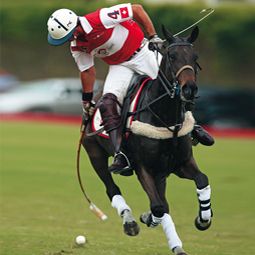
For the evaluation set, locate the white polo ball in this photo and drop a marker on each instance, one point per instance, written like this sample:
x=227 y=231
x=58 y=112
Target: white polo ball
x=80 y=240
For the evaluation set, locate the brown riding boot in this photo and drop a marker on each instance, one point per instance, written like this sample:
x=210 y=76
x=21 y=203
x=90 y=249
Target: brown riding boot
x=200 y=135
x=120 y=163
x=111 y=122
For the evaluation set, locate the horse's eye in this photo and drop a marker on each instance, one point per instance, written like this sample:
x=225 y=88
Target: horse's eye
x=172 y=56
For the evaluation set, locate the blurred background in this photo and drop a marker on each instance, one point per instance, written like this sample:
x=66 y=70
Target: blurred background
x=41 y=205
x=226 y=48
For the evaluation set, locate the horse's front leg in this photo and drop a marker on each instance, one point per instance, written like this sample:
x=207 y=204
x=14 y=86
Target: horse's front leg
x=191 y=171
x=159 y=214
x=99 y=160
x=130 y=225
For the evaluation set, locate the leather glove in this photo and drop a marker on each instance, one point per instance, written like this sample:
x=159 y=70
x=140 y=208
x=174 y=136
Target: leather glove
x=88 y=108
x=155 y=42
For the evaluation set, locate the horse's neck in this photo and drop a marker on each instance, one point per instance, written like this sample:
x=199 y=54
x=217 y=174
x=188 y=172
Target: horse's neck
x=167 y=109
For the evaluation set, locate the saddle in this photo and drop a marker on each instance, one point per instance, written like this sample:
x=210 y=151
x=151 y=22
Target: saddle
x=130 y=104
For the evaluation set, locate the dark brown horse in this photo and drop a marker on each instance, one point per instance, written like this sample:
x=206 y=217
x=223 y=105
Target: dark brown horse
x=159 y=142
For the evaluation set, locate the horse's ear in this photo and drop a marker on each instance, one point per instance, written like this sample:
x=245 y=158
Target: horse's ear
x=195 y=32
x=167 y=34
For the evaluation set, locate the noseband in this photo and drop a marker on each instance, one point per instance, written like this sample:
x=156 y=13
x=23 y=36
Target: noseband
x=184 y=68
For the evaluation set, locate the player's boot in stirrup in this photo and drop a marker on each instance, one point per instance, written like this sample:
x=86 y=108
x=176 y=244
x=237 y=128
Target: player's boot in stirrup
x=120 y=165
x=200 y=135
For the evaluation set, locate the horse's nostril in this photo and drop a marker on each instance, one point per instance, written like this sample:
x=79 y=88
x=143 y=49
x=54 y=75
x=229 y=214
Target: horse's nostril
x=189 y=90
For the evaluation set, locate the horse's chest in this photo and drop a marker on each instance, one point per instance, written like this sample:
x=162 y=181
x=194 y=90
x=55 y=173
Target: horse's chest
x=151 y=150
x=160 y=155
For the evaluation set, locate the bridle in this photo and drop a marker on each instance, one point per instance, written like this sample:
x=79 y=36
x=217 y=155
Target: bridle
x=172 y=87
x=174 y=83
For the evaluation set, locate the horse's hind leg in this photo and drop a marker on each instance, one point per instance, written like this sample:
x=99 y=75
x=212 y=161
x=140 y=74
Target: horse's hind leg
x=190 y=171
x=99 y=160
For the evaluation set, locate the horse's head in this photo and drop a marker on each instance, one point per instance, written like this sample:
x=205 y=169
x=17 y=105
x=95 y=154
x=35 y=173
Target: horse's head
x=179 y=63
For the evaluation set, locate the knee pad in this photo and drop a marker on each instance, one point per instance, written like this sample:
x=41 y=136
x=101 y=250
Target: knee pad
x=109 y=111
x=106 y=101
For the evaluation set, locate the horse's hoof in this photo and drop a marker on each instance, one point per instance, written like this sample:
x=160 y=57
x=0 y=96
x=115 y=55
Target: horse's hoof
x=146 y=218
x=202 y=225
x=179 y=251
x=131 y=228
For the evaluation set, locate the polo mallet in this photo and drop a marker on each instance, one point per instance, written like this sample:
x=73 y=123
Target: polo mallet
x=99 y=213
x=208 y=12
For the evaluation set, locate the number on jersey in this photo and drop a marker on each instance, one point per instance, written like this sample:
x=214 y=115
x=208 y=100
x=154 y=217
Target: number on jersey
x=123 y=12
x=113 y=15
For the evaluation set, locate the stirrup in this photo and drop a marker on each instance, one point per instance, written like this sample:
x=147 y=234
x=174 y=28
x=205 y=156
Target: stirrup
x=121 y=169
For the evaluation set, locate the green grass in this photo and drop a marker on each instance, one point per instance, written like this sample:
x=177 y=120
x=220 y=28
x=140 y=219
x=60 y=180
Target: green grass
x=42 y=208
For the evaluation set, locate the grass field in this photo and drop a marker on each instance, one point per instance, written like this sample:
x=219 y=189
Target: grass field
x=42 y=208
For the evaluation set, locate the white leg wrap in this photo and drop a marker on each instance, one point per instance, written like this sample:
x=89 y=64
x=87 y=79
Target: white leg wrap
x=204 y=196
x=170 y=231
x=119 y=203
x=155 y=221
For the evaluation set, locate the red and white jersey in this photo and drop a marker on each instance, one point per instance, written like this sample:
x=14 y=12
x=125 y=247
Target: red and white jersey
x=108 y=33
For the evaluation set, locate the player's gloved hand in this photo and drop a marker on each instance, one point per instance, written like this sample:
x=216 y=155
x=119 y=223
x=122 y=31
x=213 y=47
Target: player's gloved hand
x=88 y=109
x=155 y=42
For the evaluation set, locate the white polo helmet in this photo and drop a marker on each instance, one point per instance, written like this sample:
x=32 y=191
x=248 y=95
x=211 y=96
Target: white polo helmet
x=61 y=26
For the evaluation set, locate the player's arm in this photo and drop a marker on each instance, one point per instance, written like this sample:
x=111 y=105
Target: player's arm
x=141 y=16
x=85 y=64
x=88 y=78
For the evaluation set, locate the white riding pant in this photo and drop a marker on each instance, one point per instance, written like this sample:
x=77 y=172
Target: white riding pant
x=145 y=62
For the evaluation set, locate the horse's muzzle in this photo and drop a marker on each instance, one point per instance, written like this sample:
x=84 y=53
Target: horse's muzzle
x=189 y=90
